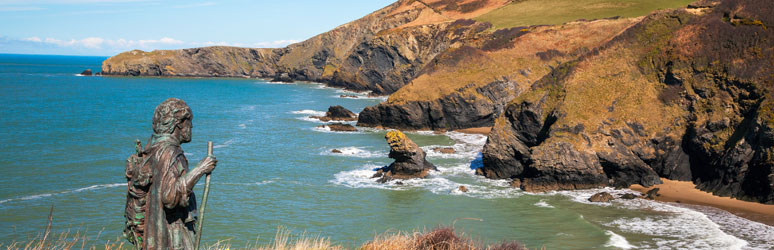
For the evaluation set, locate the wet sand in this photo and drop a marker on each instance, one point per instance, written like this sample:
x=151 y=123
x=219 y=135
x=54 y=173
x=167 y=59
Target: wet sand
x=686 y=192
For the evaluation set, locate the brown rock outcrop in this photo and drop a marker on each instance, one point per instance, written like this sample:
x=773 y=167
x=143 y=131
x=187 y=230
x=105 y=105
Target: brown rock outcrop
x=409 y=159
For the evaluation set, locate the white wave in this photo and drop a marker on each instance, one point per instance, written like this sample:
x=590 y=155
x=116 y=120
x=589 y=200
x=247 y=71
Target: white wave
x=260 y=183
x=674 y=227
x=278 y=83
x=100 y=186
x=326 y=129
x=355 y=152
x=436 y=182
x=473 y=139
x=225 y=144
x=757 y=235
x=617 y=241
x=309 y=112
x=242 y=125
x=543 y=203
x=38 y=196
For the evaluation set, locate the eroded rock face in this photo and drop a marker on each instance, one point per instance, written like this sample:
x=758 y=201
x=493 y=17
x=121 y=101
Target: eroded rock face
x=409 y=158
x=692 y=107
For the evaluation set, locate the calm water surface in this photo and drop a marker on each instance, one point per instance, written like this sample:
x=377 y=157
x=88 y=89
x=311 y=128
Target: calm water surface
x=65 y=138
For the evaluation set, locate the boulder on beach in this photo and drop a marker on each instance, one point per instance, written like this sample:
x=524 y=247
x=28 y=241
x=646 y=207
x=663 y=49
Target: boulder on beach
x=409 y=158
x=652 y=194
x=86 y=72
x=601 y=197
x=341 y=127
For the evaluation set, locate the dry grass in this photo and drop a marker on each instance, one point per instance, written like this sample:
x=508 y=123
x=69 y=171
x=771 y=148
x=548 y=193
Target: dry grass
x=441 y=238
x=521 y=63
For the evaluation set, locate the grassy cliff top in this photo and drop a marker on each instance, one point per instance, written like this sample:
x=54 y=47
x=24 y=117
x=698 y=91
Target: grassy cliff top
x=551 y=12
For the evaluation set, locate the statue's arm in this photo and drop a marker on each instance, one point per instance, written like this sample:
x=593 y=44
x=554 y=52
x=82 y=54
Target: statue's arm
x=178 y=183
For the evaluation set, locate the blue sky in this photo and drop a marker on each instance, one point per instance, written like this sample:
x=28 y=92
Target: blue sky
x=107 y=27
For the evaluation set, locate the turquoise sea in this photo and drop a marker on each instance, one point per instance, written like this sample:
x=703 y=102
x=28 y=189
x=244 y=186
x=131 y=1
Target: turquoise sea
x=64 y=139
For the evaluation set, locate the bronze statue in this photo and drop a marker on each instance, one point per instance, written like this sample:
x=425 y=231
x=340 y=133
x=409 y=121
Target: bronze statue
x=161 y=206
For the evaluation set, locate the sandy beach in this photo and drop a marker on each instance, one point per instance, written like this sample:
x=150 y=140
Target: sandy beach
x=479 y=130
x=686 y=192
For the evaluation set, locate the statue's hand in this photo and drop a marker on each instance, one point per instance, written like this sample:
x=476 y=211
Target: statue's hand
x=208 y=164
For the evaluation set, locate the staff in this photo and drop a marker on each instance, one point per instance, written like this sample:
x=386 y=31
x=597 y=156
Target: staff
x=204 y=201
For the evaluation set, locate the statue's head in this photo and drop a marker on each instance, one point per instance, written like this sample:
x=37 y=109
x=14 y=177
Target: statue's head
x=173 y=117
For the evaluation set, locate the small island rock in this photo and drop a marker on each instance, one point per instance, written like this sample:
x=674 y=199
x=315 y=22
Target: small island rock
x=409 y=158
x=86 y=72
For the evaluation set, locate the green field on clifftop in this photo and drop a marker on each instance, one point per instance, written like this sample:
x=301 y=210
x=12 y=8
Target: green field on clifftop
x=551 y=12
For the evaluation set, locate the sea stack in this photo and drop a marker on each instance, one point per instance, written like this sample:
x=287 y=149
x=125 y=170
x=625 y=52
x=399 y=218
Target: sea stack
x=409 y=158
x=86 y=72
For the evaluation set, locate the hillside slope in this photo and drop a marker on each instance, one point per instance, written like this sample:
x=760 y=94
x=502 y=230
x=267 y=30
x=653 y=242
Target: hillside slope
x=683 y=94
x=380 y=52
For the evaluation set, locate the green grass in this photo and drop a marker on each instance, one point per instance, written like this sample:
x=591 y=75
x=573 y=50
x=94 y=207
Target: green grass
x=551 y=12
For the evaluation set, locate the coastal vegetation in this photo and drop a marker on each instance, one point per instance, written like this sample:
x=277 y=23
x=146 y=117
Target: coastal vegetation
x=440 y=238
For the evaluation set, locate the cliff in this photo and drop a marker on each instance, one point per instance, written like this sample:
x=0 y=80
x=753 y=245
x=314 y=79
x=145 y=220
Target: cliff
x=683 y=94
x=380 y=52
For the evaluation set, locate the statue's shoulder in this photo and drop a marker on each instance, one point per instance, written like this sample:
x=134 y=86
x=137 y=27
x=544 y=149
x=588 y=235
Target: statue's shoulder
x=169 y=151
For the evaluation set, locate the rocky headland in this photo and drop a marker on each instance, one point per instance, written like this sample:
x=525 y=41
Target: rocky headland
x=679 y=93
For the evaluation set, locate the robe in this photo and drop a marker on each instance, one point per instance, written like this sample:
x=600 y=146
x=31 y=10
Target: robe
x=171 y=214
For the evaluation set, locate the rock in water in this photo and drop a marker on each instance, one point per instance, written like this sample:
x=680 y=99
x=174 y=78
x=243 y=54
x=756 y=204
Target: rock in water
x=444 y=150
x=86 y=72
x=463 y=189
x=337 y=113
x=340 y=113
x=342 y=127
x=601 y=197
x=409 y=158
x=336 y=151
x=628 y=196
x=282 y=77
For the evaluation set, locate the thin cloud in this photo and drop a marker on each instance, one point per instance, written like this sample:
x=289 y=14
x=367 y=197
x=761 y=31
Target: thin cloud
x=101 y=43
x=194 y=5
x=16 y=8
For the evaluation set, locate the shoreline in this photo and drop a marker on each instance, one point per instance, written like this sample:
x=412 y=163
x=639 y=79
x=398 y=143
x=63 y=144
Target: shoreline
x=478 y=130
x=686 y=192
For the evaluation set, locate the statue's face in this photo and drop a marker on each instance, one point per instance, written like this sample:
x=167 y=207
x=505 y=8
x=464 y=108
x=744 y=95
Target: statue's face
x=185 y=131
